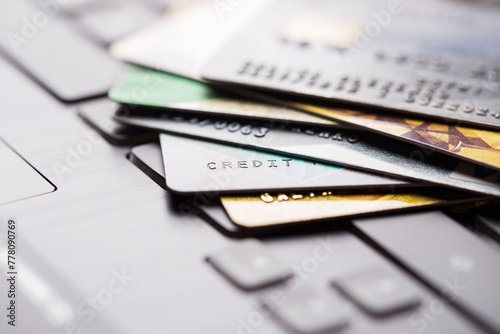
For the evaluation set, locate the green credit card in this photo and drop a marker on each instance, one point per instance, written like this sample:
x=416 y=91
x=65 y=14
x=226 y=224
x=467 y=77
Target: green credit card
x=144 y=87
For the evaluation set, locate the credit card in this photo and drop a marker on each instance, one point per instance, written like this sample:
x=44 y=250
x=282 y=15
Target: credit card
x=358 y=150
x=194 y=166
x=186 y=37
x=479 y=146
x=140 y=86
x=435 y=58
x=149 y=159
x=149 y=88
x=285 y=208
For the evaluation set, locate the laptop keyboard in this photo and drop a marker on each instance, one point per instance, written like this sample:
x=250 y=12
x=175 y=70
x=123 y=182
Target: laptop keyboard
x=99 y=115
x=57 y=53
x=461 y=264
x=459 y=271
x=404 y=274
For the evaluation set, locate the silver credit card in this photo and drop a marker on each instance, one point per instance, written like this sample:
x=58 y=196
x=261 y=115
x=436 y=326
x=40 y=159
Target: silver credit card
x=193 y=165
x=358 y=150
x=262 y=213
x=406 y=58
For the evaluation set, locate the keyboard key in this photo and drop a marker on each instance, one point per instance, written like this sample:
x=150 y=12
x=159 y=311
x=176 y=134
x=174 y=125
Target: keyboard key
x=98 y=114
x=249 y=265
x=74 y=6
x=50 y=49
x=147 y=157
x=377 y=291
x=494 y=225
x=161 y=5
x=459 y=265
x=305 y=311
x=489 y=223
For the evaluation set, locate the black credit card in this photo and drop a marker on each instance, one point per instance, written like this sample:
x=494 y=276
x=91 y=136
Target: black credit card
x=439 y=59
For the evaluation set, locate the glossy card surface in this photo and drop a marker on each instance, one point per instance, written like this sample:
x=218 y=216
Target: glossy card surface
x=140 y=86
x=404 y=56
x=359 y=150
x=194 y=166
x=149 y=88
x=476 y=145
x=276 y=209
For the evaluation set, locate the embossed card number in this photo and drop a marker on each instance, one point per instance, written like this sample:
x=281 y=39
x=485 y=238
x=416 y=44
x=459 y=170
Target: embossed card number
x=246 y=129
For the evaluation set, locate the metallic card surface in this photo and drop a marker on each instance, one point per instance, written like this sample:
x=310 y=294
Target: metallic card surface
x=395 y=56
x=195 y=166
x=476 y=145
x=251 y=212
x=148 y=159
x=156 y=89
x=175 y=44
x=277 y=209
x=358 y=150
x=140 y=86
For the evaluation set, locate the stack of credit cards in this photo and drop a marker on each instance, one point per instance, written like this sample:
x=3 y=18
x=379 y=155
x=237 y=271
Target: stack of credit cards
x=286 y=113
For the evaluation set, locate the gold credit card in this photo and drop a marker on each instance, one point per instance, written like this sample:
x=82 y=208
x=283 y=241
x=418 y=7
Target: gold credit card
x=284 y=208
x=476 y=145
